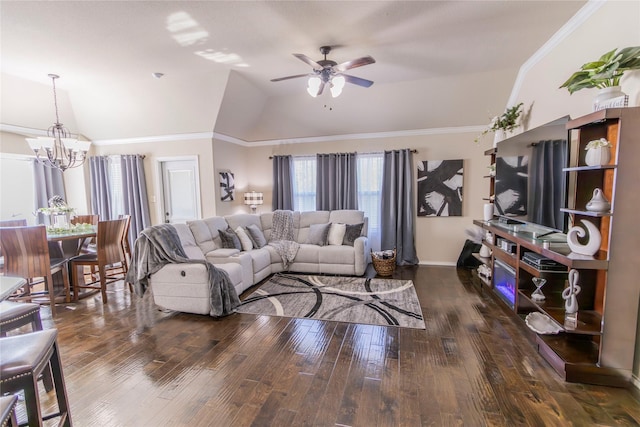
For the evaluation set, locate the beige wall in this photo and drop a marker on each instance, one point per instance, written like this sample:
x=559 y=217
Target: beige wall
x=615 y=25
x=203 y=148
x=438 y=240
x=229 y=157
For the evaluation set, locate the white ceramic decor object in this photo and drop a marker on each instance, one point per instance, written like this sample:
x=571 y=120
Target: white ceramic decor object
x=598 y=202
x=597 y=156
x=485 y=251
x=541 y=323
x=570 y=293
x=593 y=244
x=488 y=211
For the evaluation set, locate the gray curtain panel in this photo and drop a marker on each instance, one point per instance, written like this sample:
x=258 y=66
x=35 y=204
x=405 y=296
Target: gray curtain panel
x=547 y=188
x=48 y=182
x=134 y=191
x=100 y=193
x=282 y=183
x=398 y=229
x=336 y=181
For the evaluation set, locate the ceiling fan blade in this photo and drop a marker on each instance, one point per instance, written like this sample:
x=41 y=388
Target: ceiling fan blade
x=305 y=58
x=357 y=80
x=289 y=77
x=365 y=60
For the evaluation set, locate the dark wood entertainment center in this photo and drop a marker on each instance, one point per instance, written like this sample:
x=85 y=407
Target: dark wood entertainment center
x=600 y=348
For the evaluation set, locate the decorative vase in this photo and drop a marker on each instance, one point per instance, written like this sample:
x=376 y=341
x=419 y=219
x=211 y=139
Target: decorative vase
x=598 y=202
x=570 y=293
x=597 y=156
x=485 y=251
x=606 y=94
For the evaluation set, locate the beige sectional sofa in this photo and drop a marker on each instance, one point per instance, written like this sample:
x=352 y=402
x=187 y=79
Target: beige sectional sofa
x=201 y=240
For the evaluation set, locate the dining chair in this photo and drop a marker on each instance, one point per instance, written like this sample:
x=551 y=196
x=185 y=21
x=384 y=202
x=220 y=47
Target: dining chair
x=26 y=254
x=120 y=268
x=109 y=251
x=10 y=223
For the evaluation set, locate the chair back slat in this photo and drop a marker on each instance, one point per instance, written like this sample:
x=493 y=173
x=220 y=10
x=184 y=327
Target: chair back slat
x=109 y=241
x=85 y=219
x=13 y=223
x=26 y=251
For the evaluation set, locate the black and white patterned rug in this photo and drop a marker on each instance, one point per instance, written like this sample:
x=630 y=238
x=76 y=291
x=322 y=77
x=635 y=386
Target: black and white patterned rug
x=342 y=299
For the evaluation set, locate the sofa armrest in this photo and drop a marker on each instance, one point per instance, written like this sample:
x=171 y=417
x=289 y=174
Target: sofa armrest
x=221 y=253
x=361 y=248
x=244 y=259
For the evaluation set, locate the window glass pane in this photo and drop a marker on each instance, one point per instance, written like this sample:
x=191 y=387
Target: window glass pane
x=370 y=167
x=304 y=183
x=115 y=184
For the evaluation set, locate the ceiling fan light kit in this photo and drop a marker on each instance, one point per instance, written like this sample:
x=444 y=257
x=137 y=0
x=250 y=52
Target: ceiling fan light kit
x=330 y=72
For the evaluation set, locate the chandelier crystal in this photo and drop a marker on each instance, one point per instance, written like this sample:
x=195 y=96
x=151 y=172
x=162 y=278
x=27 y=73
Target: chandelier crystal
x=59 y=149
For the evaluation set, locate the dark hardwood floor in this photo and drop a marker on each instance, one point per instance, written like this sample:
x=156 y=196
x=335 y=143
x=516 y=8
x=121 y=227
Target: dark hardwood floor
x=473 y=366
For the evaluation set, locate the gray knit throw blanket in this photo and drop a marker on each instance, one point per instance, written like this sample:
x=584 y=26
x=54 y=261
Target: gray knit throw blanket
x=282 y=237
x=160 y=245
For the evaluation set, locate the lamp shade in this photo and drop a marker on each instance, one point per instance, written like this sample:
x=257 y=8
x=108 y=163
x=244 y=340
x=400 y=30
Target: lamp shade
x=253 y=198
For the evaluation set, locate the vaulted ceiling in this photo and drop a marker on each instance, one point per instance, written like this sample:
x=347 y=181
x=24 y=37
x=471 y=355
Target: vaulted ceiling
x=438 y=63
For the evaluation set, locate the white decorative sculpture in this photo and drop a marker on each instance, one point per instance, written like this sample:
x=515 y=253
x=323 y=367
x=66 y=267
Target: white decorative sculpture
x=569 y=294
x=592 y=246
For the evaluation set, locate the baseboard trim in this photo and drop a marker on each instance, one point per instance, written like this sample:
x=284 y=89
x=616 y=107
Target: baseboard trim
x=438 y=263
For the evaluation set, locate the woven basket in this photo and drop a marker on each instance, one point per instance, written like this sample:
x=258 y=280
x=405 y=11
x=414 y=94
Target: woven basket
x=384 y=267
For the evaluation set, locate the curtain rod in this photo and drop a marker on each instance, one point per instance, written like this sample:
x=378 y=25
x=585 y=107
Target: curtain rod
x=413 y=150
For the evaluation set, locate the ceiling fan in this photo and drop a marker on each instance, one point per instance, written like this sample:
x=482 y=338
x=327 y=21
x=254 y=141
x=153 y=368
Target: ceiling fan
x=330 y=72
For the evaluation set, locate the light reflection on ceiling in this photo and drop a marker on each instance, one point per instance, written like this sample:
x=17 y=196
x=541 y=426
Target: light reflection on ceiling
x=186 y=31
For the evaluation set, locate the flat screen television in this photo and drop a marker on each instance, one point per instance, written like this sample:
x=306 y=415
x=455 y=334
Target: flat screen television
x=530 y=185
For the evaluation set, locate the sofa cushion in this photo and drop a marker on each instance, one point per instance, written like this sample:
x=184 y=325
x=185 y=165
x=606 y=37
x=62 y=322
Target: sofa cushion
x=189 y=245
x=352 y=232
x=245 y=241
x=346 y=216
x=336 y=255
x=308 y=254
x=336 y=234
x=230 y=239
x=242 y=220
x=205 y=232
x=308 y=218
x=257 y=235
x=318 y=234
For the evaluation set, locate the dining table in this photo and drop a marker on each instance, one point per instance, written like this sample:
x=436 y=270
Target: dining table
x=67 y=242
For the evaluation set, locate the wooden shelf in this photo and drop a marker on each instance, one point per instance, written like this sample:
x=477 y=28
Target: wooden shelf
x=484 y=260
x=539 y=273
x=588 y=168
x=586 y=213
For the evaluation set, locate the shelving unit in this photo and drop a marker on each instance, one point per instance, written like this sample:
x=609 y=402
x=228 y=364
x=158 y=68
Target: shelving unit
x=599 y=348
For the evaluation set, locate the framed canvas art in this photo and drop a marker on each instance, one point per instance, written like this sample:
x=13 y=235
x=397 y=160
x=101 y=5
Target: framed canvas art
x=440 y=188
x=227 y=187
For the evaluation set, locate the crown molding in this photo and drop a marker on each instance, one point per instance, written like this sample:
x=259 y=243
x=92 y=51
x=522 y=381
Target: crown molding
x=21 y=130
x=218 y=136
x=565 y=31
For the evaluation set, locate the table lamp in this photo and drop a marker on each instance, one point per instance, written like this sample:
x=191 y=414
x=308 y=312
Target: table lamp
x=253 y=199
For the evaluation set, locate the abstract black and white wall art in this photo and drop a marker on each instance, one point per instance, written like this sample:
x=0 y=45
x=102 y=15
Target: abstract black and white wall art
x=227 y=187
x=440 y=188
x=512 y=176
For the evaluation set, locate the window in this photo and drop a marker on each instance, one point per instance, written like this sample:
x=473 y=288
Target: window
x=115 y=186
x=369 y=171
x=304 y=183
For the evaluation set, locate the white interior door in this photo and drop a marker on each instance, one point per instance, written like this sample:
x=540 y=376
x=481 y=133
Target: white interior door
x=180 y=190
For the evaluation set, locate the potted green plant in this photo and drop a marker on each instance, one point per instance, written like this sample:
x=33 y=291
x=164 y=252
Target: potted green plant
x=605 y=73
x=506 y=122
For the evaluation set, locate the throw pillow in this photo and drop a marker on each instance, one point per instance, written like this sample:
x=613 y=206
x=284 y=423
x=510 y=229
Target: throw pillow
x=230 y=239
x=253 y=242
x=257 y=235
x=352 y=232
x=336 y=234
x=318 y=234
x=245 y=241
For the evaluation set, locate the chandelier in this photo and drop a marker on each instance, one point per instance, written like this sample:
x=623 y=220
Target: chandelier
x=58 y=149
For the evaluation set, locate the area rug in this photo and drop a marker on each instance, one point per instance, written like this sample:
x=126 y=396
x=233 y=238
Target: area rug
x=342 y=299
